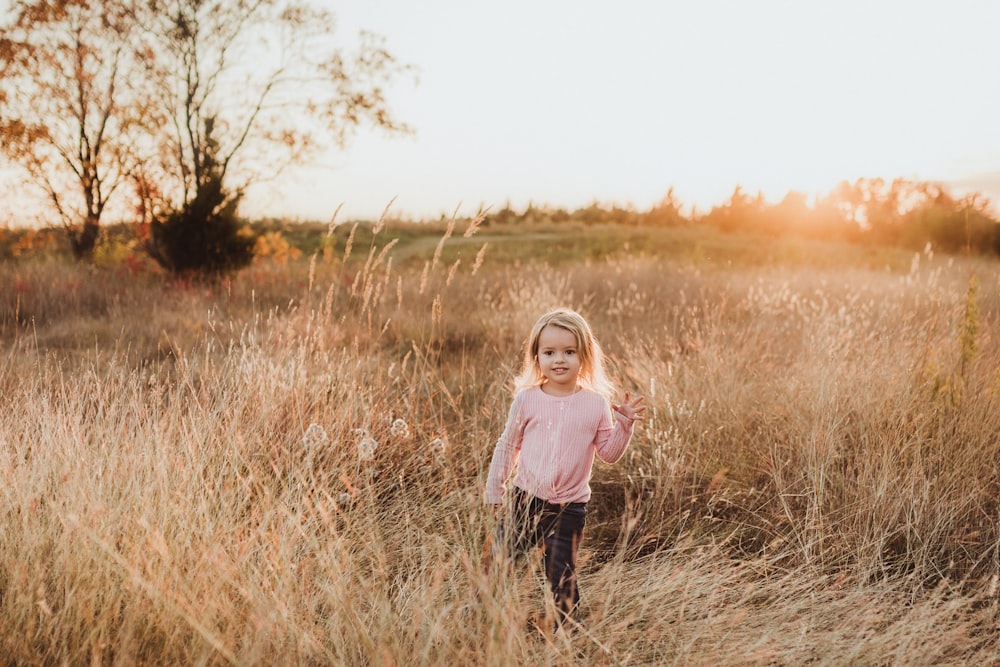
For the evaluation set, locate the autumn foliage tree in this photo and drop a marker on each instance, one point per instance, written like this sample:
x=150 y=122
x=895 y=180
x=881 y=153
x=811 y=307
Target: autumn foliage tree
x=170 y=104
x=69 y=108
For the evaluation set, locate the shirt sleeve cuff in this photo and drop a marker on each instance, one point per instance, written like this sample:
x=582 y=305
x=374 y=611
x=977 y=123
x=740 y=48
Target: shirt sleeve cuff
x=492 y=498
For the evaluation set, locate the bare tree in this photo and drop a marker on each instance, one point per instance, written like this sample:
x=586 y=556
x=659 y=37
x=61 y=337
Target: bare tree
x=263 y=84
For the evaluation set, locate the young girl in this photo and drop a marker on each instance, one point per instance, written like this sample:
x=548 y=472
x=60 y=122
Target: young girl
x=559 y=419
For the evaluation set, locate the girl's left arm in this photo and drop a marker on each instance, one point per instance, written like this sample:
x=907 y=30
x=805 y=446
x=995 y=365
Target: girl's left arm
x=611 y=447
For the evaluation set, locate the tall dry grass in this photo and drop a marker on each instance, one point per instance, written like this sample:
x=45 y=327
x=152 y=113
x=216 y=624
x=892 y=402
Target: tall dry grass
x=189 y=474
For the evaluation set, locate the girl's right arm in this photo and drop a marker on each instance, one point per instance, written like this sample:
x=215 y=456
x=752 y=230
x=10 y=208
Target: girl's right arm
x=505 y=454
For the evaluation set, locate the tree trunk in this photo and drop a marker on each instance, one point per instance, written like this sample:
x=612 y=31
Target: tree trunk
x=84 y=242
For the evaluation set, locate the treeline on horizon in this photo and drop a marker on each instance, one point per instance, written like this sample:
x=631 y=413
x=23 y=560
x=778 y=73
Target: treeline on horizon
x=870 y=211
x=901 y=212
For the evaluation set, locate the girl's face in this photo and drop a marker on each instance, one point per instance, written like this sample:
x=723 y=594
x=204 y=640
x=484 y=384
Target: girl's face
x=558 y=360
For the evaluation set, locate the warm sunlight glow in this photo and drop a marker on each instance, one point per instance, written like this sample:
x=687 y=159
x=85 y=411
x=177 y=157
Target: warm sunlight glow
x=570 y=103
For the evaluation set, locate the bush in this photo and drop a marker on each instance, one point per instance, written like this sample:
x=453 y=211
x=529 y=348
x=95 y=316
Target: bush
x=205 y=237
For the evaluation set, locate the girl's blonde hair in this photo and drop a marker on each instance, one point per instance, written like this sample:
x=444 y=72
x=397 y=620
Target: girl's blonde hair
x=592 y=375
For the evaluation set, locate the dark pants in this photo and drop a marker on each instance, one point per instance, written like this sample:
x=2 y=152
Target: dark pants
x=559 y=530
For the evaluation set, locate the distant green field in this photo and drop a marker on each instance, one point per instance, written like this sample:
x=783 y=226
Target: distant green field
x=573 y=242
x=554 y=243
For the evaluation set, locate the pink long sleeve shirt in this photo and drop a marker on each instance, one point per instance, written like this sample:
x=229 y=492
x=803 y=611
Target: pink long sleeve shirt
x=552 y=440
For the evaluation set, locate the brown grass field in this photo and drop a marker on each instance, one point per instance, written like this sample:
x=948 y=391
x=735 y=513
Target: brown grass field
x=816 y=481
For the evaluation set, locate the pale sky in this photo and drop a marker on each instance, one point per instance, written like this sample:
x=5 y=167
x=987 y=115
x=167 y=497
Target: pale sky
x=566 y=103
x=569 y=102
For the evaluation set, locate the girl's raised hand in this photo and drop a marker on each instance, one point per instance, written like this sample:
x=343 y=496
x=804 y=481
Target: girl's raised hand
x=631 y=407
